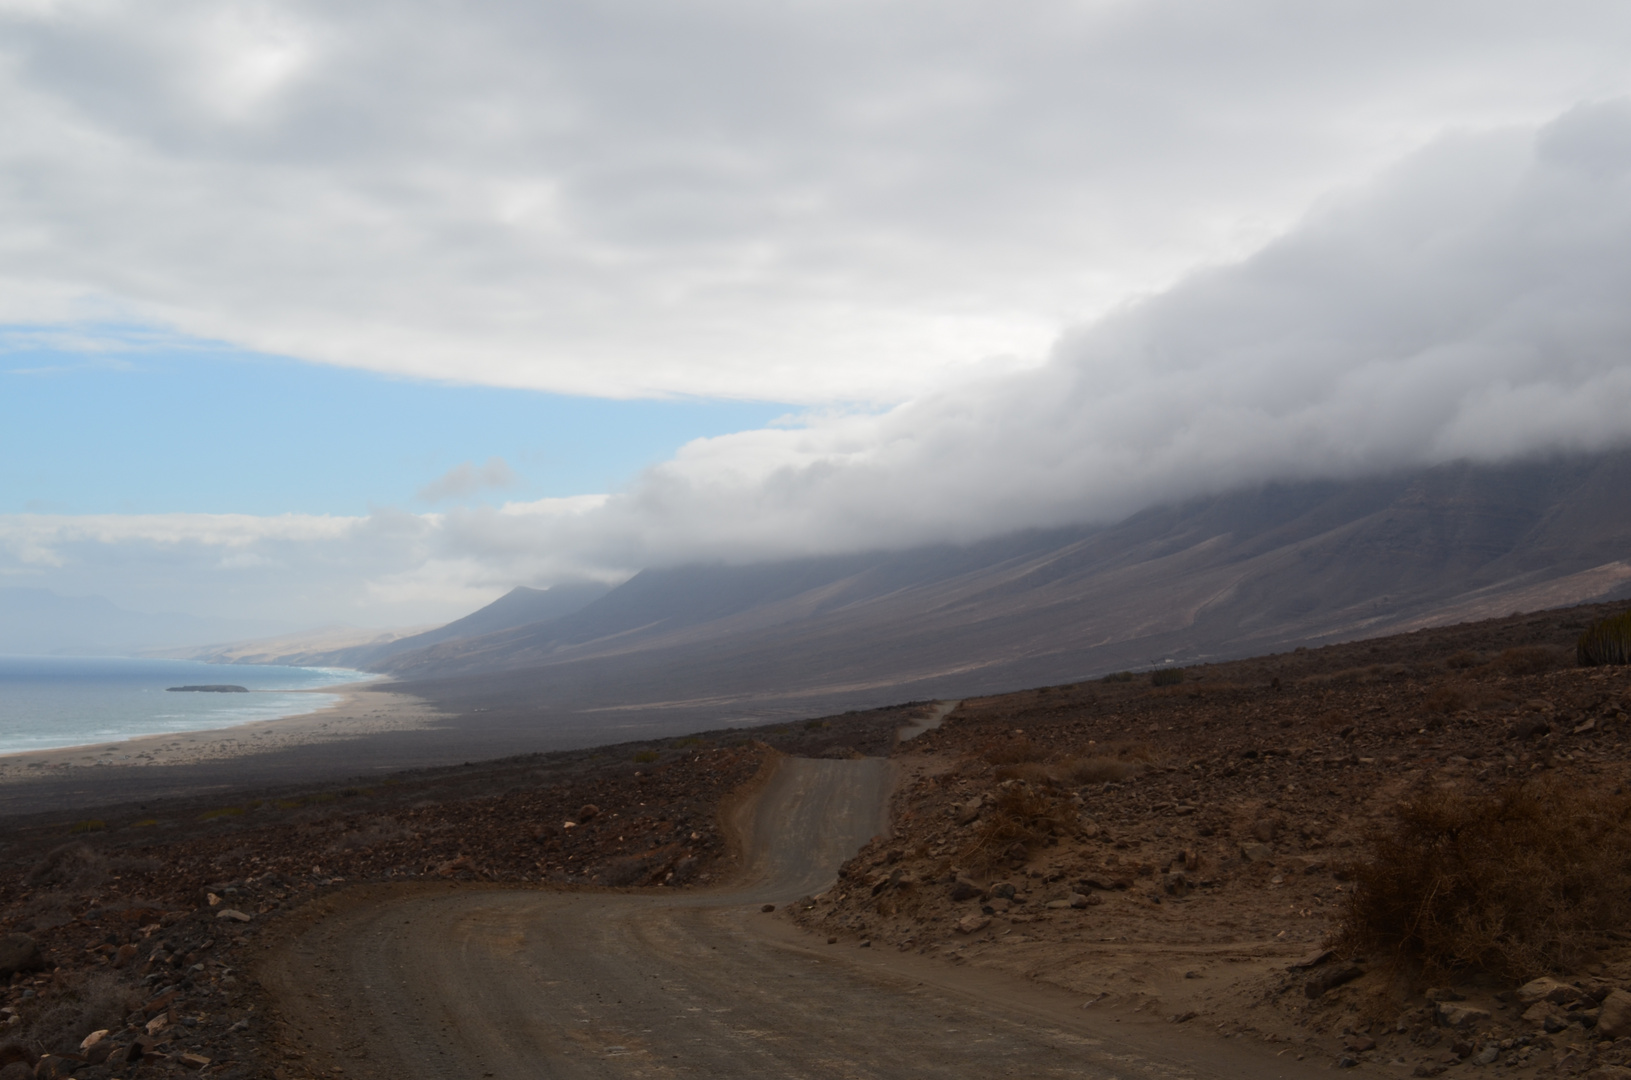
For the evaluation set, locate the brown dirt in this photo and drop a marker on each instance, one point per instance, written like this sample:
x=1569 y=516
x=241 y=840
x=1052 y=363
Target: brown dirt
x=127 y=904
x=1212 y=846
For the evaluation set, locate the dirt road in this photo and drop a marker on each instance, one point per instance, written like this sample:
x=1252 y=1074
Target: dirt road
x=457 y=982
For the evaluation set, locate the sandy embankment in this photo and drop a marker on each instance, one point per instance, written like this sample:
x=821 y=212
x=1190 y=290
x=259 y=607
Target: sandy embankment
x=363 y=709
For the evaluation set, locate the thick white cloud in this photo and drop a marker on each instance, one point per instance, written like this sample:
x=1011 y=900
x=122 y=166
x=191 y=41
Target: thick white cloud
x=807 y=202
x=1469 y=303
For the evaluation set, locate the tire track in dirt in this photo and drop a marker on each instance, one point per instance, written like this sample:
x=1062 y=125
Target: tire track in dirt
x=458 y=981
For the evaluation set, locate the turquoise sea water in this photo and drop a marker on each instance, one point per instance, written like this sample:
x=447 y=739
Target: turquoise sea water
x=48 y=702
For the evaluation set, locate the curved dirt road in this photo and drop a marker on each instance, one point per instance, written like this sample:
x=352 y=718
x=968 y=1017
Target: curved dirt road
x=459 y=981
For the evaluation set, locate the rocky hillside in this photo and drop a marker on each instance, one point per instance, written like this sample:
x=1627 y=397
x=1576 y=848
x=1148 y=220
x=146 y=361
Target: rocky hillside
x=1188 y=850
x=1229 y=576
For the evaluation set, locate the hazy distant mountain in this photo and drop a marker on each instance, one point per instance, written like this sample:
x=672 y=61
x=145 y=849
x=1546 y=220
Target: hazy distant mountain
x=38 y=622
x=1229 y=575
x=316 y=648
x=370 y=649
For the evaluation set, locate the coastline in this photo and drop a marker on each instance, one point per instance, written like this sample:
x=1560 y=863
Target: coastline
x=364 y=708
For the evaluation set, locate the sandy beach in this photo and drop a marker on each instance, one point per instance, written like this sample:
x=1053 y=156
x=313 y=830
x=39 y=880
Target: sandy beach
x=366 y=708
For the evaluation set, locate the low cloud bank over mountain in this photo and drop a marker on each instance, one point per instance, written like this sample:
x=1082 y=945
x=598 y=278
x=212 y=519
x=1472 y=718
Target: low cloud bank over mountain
x=1468 y=304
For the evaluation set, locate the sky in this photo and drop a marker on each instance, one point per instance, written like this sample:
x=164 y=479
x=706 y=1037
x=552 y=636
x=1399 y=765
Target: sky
x=366 y=313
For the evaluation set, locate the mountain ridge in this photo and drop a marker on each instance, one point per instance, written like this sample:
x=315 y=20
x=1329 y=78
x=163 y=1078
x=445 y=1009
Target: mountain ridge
x=1214 y=577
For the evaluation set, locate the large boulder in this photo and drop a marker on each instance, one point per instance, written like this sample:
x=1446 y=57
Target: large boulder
x=19 y=952
x=1614 y=1021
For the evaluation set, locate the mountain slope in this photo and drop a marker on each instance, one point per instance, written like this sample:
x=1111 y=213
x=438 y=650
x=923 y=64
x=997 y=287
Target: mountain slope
x=39 y=622
x=1223 y=576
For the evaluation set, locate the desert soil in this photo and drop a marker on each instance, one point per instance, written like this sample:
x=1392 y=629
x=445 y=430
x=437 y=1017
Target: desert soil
x=1203 y=830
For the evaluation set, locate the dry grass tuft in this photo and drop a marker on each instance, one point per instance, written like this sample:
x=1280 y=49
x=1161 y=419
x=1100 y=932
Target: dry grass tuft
x=1031 y=772
x=1451 y=697
x=96 y=1001
x=1021 y=820
x=1529 y=660
x=74 y=869
x=1099 y=769
x=1517 y=883
x=1012 y=751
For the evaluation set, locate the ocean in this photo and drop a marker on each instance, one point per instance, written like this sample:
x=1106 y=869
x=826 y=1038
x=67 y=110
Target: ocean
x=48 y=702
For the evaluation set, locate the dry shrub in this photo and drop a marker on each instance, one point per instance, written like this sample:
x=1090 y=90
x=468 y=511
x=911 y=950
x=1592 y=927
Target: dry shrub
x=74 y=868
x=1515 y=883
x=1012 y=751
x=1032 y=772
x=1021 y=820
x=371 y=834
x=1451 y=697
x=1463 y=660
x=1529 y=660
x=1098 y=770
x=1606 y=641
x=95 y=1002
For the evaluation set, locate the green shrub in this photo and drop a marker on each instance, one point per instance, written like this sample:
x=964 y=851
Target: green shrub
x=646 y=757
x=225 y=811
x=1118 y=676
x=1528 y=880
x=1606 y=641
x=1169 y=676
x=88 y=825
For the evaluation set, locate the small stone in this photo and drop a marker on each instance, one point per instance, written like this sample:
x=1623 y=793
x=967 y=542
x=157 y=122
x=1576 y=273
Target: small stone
x=1539 y=1012
x=1453 y=1014
x=52 y=1067
x=1347 y=1061
x=963 y=889
x=1255 y=852
x=1057 y=905
x=832 y=941
x=193 y=1061
x=973 y=924
x=234 y=914
x=1082 y=900
x=1003 y=890
x=968 y=811
x=768 y=908
x=92 y=1039
x=1487 y=1055
x=1331 y=978
x=589 y=812
x=1313 y=960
